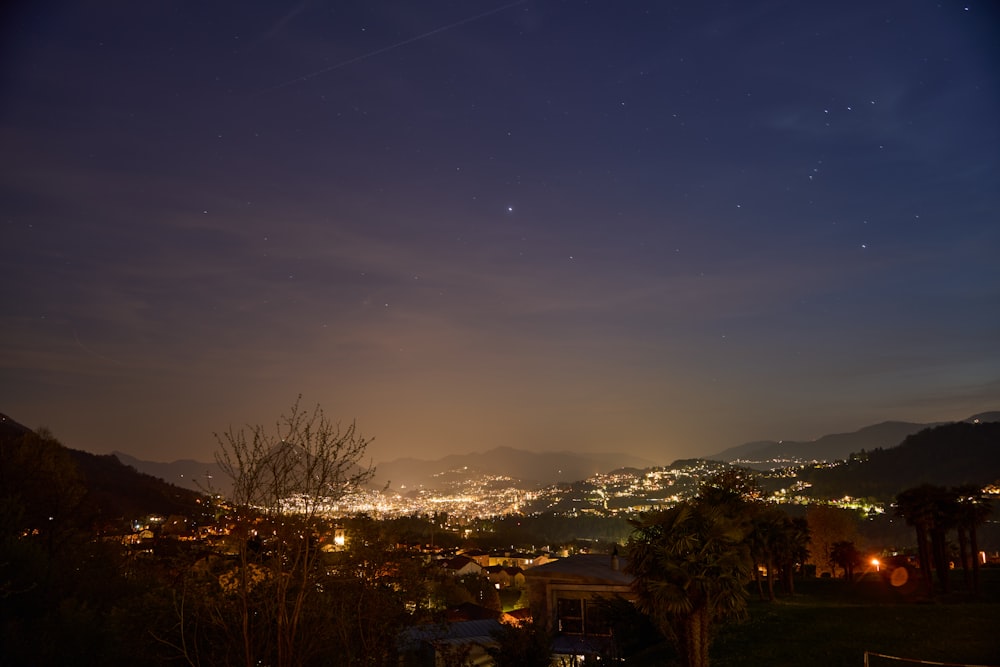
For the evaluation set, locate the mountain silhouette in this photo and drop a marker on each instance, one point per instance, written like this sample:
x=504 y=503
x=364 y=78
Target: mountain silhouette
x=837 y=446
x=532 y=468
x=52 y=485
x=948 y=455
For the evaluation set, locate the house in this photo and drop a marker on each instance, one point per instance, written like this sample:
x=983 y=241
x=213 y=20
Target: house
x=478 y=555
x=506 y=577
x=437 y=645
x=542 y=558
x=565 y=595
x=459 y=566
x=512 y=559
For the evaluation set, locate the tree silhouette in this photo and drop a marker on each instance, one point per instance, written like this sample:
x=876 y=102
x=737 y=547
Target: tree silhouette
x=779 y=543
x=972 y=510
x=793 y=550
x=691 y=565
x=945 y=519
x=523 y=645
x=266 y=606
x=767 y=526
x=828 y=525
x=846 y=556
x=916 y=506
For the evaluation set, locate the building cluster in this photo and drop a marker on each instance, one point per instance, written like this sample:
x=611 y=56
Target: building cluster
x=560 y=590
x=565 y=595
x=564 y=592
x=476 y=499
x=467 y=495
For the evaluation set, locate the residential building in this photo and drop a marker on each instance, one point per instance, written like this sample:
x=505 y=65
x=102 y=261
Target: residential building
x=565 y=594
x=460 y=566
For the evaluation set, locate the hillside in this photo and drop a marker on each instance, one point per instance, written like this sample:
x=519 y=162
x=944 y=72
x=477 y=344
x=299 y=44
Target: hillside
x=117 y=490
x=199 y=476
x=533 y=468
x=948 y=455
x=836 y=446
x=49 y=484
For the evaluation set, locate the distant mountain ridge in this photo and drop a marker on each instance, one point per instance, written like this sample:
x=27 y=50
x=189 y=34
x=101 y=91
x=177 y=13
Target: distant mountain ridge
x=836 y=446
x=42 y=476
x=532 y=468
x=546 y=468
x=540 y=468
x=953 y=454
x=198 y=476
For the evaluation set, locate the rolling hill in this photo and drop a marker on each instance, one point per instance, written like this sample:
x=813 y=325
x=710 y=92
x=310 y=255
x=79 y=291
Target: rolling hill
x=50 y=484
x=879 y=441
x=834 y=447
x=947 y=455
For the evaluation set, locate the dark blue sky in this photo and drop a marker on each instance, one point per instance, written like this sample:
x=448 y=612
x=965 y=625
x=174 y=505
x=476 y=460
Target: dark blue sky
x=660 y=228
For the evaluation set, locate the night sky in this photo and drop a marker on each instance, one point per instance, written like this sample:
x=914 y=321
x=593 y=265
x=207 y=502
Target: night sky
x=661 y=228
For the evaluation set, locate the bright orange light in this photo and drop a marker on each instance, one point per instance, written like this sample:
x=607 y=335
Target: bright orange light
x=876 y=564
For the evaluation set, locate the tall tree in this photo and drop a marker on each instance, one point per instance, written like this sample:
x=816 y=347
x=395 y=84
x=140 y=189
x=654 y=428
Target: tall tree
x=918 y=506
x=284 y=481
x=973 y=508
x=780 y=544
x=691 y=565
x=828 y=525
x=946 y=510
x=845 y=555
x=767 y=526
x=523 y=645
x=795 y=551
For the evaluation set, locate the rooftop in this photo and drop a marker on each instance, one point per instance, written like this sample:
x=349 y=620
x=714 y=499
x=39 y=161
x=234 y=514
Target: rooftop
x=583 y=568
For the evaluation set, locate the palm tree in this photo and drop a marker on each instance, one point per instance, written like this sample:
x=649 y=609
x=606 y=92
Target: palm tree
x=767 y=526
x=945 y=518
x=691 y=566
x=847 y=556
x=918 y=506
x=973 y=508
x=779 y=543
x=794 y=550
x=757 y=542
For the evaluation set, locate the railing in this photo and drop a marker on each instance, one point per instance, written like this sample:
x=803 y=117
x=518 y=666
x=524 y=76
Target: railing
x=919 y=662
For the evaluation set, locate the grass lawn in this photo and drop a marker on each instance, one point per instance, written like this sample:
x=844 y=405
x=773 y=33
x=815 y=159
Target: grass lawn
x=831 y=623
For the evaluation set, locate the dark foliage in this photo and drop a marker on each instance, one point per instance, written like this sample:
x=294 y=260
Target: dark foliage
x=116 y=491
x=953 y=454
x=551 y=529
x=62 y=592
x=524 y=645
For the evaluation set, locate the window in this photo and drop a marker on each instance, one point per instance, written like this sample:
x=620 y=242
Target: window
x=569 y=614
x=596 y=620
x=576 y=616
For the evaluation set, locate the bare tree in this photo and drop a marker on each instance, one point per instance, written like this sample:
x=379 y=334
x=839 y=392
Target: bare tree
x=283 y=483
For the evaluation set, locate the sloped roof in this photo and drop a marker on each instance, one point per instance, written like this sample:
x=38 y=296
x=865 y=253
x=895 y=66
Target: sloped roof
x=458 y=562
x=463 y=632
x=583 y=568
x=472 y=553
x=469 y=611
